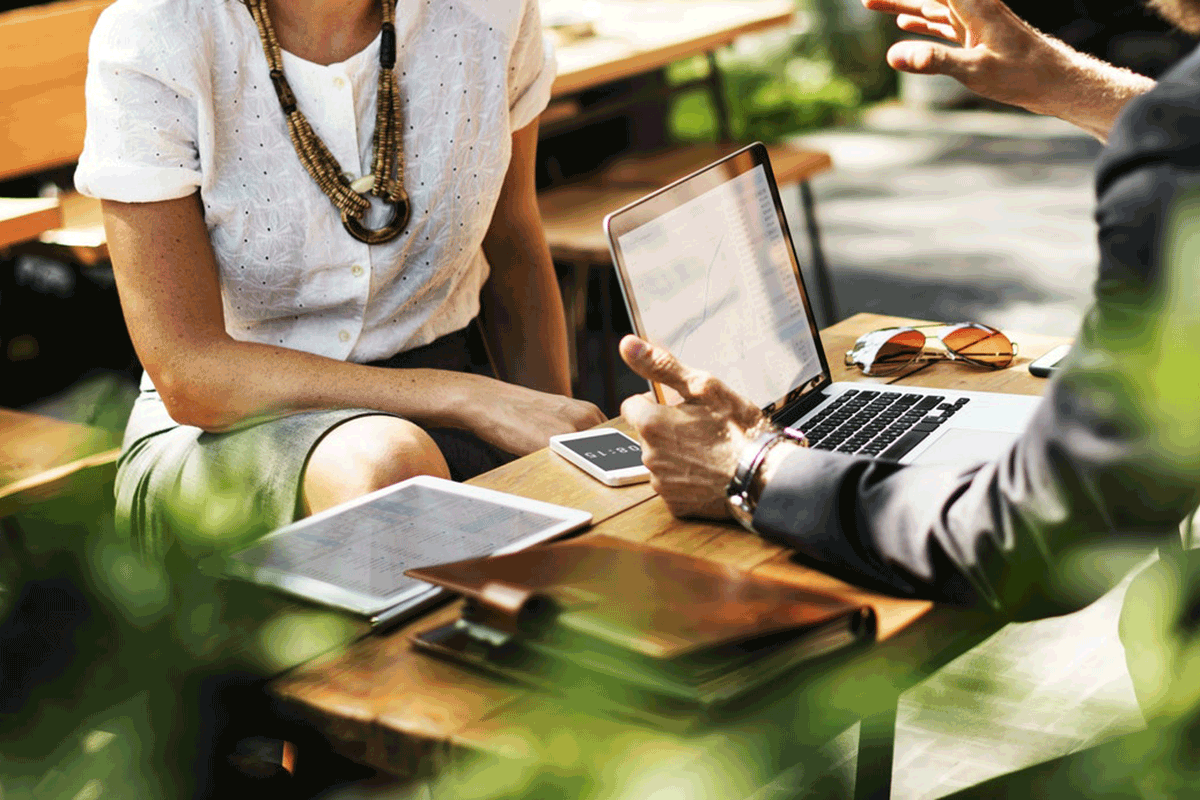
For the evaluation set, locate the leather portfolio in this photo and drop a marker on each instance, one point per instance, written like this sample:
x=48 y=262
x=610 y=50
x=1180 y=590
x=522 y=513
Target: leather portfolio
x=635 y=623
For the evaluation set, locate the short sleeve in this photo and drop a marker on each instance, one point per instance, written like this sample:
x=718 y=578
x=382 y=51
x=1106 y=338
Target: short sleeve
x=531 y=69
x=141 y=139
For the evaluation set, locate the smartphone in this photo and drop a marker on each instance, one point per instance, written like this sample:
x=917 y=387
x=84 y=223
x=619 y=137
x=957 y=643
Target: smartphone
x=1042 y=367
x=606 y=454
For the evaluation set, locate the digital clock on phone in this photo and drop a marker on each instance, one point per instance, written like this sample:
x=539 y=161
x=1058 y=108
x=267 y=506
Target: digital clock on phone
x=606 y=454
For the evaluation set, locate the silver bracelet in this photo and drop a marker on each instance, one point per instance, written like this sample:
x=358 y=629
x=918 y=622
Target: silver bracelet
x=738 y=494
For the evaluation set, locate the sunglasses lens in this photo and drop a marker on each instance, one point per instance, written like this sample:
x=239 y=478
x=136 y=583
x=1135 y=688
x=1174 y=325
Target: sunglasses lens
x=900 y=350
x=980 y=344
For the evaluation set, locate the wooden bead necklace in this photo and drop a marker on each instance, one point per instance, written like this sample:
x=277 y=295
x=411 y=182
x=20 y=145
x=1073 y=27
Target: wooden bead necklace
x=386 y=179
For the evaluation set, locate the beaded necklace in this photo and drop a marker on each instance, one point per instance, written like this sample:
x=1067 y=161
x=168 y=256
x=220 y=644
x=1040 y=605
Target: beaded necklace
x=386 y=179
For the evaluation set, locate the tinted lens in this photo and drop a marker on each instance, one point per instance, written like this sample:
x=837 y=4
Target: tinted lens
x=981 y=345
x=900 y=350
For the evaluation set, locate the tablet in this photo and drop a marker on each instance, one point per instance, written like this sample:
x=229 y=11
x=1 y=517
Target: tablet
x=353 y=556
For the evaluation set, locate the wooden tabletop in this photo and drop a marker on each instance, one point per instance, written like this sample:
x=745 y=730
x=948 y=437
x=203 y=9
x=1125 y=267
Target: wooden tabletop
x=42 y=457
x=636 y=36
x=24 y=218
x=388 y=706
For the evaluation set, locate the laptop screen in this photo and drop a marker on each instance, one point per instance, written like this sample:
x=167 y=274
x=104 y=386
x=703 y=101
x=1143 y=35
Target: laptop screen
x=709 y=272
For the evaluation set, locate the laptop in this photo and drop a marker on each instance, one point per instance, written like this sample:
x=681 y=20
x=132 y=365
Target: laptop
x=707 y=269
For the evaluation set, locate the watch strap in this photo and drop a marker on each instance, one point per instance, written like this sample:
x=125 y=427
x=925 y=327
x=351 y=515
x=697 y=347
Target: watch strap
x=742 y=493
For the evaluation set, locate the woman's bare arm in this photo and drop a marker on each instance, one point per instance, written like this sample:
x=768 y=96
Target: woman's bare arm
x=168 y=283
x=522 y=309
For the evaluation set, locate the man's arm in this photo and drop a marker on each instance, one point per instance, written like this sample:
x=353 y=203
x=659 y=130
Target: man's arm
x=1107 y=469
x=997 y=54
x=522 y=310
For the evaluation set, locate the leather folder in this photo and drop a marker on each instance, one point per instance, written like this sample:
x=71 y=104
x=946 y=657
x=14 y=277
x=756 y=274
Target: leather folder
x=635 y=622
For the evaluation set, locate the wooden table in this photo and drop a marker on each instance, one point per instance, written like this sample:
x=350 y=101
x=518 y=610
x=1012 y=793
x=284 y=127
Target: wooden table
x=42 y=458
x=637 y=36
x=24 y=218
x=383 y=704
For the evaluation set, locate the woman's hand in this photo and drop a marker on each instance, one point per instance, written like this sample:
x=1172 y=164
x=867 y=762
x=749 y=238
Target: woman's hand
x=520 y=420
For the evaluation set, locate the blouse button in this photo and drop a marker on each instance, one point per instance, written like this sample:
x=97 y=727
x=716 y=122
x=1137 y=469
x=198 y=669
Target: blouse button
x=356 y=270
x=339 y=82
x=344 y=335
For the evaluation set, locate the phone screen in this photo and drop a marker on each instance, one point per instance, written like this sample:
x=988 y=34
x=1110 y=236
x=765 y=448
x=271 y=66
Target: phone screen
x=610 y=451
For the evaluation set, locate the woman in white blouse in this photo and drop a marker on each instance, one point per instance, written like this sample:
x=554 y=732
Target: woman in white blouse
x=254 y=308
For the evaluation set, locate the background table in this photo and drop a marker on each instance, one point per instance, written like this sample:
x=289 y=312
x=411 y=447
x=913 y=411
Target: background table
x=382 y=703
x=636 y=36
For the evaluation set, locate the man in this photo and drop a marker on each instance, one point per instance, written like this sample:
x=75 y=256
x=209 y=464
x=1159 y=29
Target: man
x=1112 y=457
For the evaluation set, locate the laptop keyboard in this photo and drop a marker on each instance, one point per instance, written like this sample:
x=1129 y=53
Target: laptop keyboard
x=880 y=424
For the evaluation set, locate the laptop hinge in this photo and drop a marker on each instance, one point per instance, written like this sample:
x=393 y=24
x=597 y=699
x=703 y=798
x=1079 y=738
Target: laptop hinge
x=792 y=412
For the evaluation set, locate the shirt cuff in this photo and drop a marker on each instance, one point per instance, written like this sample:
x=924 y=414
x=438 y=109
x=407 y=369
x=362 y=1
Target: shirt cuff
x=136 y=184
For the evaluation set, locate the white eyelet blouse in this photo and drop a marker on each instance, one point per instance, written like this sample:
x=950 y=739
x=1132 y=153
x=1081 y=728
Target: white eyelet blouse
x=179 y=100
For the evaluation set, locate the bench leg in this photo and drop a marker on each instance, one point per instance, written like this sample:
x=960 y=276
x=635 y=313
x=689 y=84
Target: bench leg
x=876 y=743
x=820 y=268
x=609 y=342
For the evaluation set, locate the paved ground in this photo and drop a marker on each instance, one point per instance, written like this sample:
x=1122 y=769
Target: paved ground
x=968 y=215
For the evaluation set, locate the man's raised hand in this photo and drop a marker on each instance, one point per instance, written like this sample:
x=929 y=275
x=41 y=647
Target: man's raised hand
x=995 y=53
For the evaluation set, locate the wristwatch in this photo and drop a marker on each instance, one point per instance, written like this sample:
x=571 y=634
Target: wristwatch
x=743 y=491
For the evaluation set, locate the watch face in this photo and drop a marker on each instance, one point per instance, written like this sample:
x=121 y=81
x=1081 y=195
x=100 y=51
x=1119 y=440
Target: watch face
x=609 y=452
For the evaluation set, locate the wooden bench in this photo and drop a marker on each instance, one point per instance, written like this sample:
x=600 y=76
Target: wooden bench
x=25 y=218
x=573 y=215
x=43 y=67
x=43 y=458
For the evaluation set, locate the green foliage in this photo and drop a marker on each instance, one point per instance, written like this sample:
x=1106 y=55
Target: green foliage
x=768 y=106
x=852 y=40
x=801 y=82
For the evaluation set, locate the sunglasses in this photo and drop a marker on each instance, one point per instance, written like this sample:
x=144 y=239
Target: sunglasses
x=889 y=350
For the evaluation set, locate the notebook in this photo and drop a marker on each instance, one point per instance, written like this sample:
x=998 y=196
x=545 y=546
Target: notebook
x=647 y=629
x=707 y=269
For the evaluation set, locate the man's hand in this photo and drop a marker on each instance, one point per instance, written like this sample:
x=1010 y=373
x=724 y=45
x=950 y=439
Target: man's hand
x=692 y=448
x=997 y=54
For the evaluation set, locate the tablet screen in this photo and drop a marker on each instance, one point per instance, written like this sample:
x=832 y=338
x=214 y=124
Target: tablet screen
x=354 y=556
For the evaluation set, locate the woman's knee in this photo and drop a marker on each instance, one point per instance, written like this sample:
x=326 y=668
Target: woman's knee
x=365 y=454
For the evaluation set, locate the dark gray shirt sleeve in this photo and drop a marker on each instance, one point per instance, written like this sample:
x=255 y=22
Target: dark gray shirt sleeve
x=1111 y=459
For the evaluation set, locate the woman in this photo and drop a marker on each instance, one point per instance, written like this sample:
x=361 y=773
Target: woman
x=248 y=290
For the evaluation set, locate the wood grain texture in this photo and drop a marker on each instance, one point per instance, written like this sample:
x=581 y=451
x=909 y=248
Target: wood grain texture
x=789 y=163
x=81 y=231
x=573 y=215
x=408 y=714
x=634 y=36
x=42 y=458
x=43 y=64
x=24 y=218
x=548 y=477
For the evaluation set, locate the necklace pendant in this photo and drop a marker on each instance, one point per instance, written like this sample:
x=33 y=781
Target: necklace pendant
x=397 y=222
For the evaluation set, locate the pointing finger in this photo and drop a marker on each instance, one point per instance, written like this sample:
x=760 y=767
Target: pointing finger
x=657 y=364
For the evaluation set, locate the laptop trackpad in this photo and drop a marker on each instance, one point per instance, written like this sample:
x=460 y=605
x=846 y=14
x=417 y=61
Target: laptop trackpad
x=963 y=445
